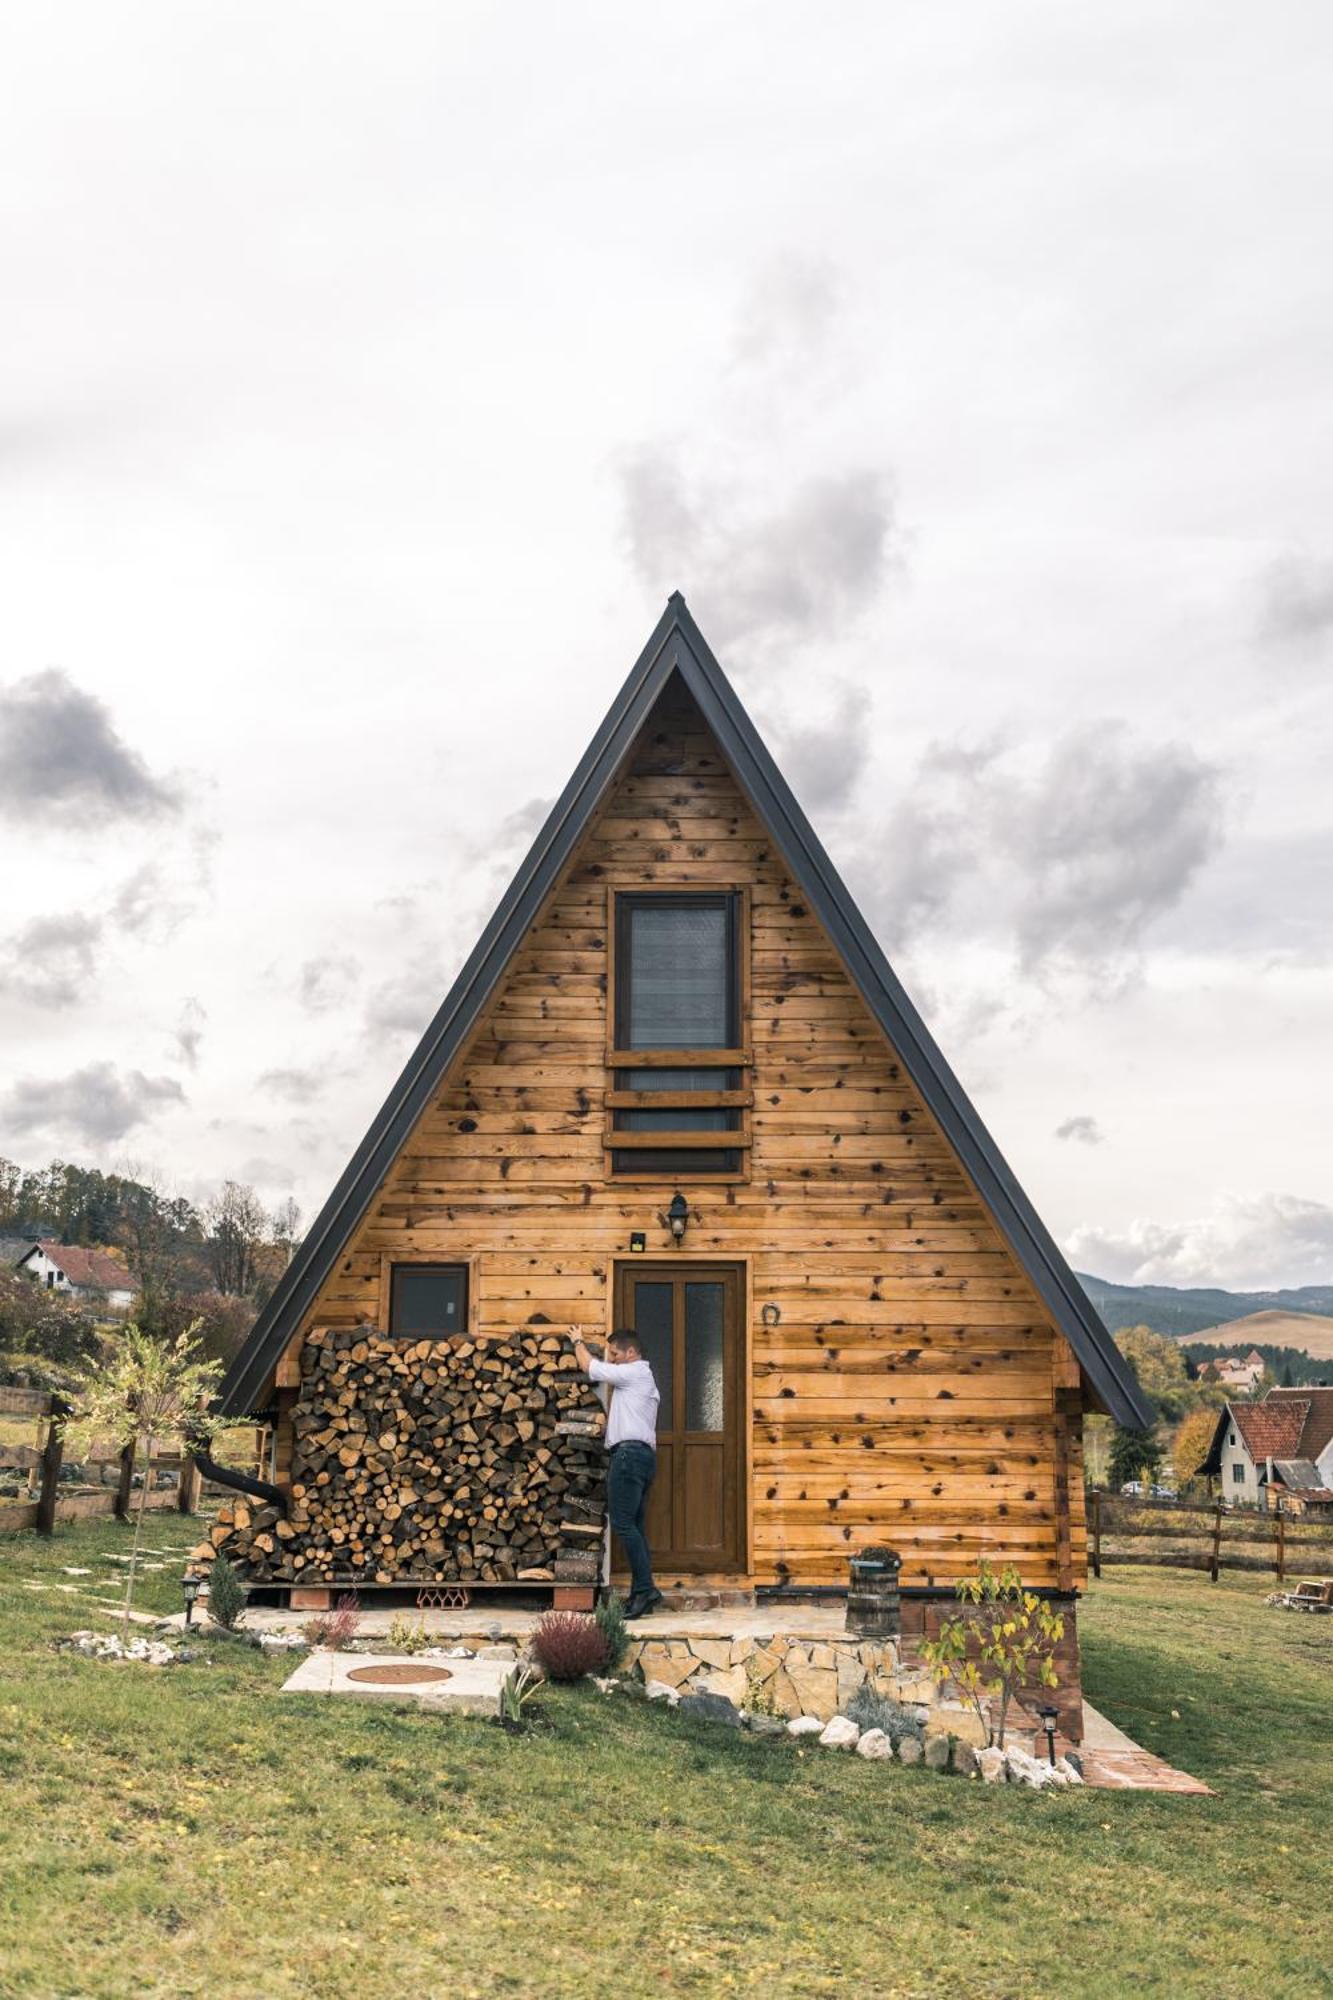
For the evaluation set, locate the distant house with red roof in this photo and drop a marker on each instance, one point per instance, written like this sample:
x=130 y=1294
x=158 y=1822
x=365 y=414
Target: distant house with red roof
x=1280 y=1446
x=97 y=1278
x=1242 y=1375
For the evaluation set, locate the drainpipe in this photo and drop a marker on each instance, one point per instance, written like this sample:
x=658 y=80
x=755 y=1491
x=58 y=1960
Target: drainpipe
x=240 y=1482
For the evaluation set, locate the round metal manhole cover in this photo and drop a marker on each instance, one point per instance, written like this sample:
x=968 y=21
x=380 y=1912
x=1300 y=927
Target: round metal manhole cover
x=399 y=1676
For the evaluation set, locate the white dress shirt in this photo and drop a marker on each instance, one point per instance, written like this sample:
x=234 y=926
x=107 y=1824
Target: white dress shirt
x=633 y=1417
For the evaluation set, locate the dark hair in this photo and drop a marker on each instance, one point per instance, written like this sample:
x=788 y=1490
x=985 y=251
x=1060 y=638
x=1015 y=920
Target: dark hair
x=625 y=1336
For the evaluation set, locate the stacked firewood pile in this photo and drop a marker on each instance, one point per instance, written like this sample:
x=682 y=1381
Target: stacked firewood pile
x=451 y=1462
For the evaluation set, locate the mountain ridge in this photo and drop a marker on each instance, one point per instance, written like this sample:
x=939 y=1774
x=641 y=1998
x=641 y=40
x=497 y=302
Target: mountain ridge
x=1185 y=1310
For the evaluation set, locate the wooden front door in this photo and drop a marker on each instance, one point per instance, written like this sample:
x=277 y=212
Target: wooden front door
x=688 y=1318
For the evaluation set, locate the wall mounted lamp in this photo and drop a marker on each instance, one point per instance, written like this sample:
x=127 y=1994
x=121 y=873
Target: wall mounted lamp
x=677 y=1217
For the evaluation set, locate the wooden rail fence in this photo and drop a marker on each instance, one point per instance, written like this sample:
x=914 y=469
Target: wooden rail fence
x=42 y=1461
x=1209 y=1536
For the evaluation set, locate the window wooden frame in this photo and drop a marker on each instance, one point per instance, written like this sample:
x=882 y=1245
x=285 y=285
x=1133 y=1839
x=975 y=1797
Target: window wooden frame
x=739 y=1058
x=434 y=1266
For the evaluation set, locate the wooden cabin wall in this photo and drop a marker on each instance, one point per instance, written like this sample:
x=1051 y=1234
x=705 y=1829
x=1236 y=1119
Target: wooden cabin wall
x=914 y=1389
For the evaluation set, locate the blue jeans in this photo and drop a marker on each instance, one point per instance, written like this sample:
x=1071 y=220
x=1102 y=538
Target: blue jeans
x=630 y=1472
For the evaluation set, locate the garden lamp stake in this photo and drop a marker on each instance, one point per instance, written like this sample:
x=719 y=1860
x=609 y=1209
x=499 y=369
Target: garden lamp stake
x=1049 y=1717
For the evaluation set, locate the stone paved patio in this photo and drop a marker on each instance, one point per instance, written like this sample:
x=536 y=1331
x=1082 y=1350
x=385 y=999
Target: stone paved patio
x=1113 y=1761
x=818 y=1622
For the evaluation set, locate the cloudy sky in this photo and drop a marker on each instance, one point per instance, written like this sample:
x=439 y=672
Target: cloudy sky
x=368 y=378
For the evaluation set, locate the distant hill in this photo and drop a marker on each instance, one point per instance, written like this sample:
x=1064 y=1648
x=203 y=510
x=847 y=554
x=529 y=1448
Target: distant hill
x=1310 y=1332
x=1205 y=1312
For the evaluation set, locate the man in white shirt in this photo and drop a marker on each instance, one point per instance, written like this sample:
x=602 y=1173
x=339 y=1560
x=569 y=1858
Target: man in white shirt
x=631 y=1446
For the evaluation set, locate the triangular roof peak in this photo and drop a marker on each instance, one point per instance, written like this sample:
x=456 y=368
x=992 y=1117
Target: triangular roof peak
x=678 y=646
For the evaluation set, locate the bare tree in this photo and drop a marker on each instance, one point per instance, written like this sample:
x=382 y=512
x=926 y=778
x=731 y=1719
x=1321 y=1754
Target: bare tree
x=154 y=1222
x=236 y=1230
x=285 y=1229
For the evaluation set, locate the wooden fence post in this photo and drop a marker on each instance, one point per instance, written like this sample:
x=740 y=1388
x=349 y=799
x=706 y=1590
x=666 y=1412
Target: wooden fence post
x=122 y=1506
x=1216 y=1562
x=1281 y=1543
x=1097 y=1532
x=52 y=1453
x=187 y=1486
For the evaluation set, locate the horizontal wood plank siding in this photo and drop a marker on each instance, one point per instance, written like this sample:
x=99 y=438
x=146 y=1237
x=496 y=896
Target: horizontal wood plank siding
x=908 y=1389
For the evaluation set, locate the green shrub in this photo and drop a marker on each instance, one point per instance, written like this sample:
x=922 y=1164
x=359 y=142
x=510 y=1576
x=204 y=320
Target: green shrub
x=407 y=1635
x=869 y=1709
x=226 y=1595
x=610 y=1616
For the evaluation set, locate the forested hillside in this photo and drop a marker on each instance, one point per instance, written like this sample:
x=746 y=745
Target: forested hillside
x=1183 y=1311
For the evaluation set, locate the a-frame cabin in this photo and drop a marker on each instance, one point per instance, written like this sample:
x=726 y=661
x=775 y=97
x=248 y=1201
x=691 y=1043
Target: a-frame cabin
x=864 y=1335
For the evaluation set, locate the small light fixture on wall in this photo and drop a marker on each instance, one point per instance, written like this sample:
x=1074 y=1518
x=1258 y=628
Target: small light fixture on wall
x=677 y=1217
x=638 y=1241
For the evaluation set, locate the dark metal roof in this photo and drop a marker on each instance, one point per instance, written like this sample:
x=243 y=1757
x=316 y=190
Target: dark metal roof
x=678 y=646
x=1298 y=1475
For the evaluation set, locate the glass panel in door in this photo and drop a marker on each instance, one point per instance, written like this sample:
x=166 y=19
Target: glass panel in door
x=652 y=1323
x=705 y=1372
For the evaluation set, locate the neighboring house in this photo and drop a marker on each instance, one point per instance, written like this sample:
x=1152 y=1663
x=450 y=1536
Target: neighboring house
x=96 y=1277
x=1288 y=1426
x=677 y=1086
x=1299 y=1487
x=1243 y=1376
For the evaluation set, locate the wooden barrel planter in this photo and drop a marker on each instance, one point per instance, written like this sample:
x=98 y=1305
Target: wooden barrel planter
x=874 y=1609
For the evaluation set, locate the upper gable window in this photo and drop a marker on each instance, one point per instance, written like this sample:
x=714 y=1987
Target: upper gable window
x=679 y=1099
x=677 y=985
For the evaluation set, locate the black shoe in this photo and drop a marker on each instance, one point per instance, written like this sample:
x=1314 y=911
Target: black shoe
x=642 y=1603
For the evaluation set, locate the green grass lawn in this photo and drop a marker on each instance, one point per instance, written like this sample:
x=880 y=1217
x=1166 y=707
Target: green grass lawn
x=183 y=1832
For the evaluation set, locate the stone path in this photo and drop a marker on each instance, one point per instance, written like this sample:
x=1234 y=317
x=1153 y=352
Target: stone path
x=1113 y=1761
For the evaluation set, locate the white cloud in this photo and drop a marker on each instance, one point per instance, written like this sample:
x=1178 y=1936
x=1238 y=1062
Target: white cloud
x=93 y=1105
x=1070 y=854
x=1245 y=1242
x=52 y=961
x=1297 y=605
x=63 y=761
x=760 y=569
x=1081 y=1127
x=189 y=1032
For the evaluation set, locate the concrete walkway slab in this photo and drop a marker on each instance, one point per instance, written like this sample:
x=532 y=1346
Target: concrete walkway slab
x=473 y=1686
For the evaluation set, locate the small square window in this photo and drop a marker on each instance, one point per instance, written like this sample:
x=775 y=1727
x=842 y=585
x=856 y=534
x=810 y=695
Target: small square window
x=428 y=1301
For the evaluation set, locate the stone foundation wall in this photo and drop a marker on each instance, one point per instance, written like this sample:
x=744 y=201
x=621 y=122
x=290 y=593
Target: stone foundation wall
x=785 y=1674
